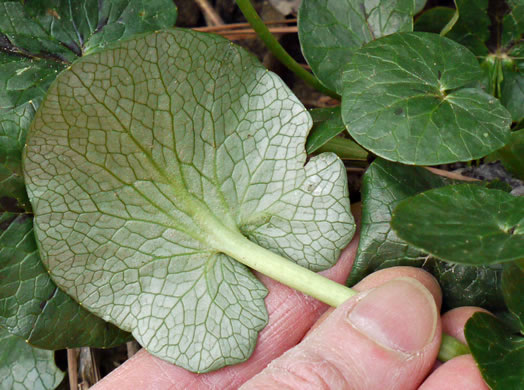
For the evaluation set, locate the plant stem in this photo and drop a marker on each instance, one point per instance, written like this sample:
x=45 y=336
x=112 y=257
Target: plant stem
x=278 y=51
x=447 y=28
x=283 y=270
x=450 y=347
x=237 y=246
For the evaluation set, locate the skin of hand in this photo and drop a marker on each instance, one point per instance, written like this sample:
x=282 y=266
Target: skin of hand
x=386 y=337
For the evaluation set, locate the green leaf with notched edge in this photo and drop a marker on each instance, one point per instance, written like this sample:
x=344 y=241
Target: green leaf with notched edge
x=141 y=168
x=31 y=306
x=498 y=351
x=512 y=155
x=465 y=223
x=331 y=30
x=23 y=367
x=384 y=185
x=513 y=289
x=404 y=100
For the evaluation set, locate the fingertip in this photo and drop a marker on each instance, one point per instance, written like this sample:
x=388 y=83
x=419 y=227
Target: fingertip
x=453 y=321
x=458 y=373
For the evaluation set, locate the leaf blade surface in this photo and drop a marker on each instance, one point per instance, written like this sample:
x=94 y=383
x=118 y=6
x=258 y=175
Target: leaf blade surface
x=166 y=158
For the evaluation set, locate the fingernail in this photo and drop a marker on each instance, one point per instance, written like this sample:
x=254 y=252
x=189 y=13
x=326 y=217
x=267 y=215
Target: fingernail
x=400 y=315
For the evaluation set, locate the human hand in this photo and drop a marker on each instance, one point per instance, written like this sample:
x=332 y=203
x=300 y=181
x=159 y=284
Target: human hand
x=387 y=337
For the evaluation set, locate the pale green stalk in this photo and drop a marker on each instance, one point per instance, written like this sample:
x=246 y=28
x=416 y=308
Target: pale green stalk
x=237 y=246
x=278 y=51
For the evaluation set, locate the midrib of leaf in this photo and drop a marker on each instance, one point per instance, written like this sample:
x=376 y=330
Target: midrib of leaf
x=208 y=223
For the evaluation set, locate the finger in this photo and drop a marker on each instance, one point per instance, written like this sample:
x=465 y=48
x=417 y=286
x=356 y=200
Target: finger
x=291 y=314
x=380 y=277
x=460 y=372
x=453 y=321
x=387 y=337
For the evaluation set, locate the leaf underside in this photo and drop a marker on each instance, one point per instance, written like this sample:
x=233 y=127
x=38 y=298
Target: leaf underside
x=24 y=367
x=31 y=306
x=406 y=100
x=140 y=158
x=37 y=41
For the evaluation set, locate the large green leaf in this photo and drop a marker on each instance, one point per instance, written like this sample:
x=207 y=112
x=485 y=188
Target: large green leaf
x=513 y=289
x=466 y=224
x=385 y=184
x=23 y=367
x=405 y=100
x=331 y=30
x=31 y=306
x=144 y=172
x=499 y=352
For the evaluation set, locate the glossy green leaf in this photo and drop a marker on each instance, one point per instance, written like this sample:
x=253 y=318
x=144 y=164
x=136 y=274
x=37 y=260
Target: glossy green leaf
x=37 y=41
x=327 y=123
x=513 y=289
x=331 y=30
x=498 y=351
x=66 y=29
x=466 y=224
x=23 y=367
x=24 y=80
x=512 y=155
x=31 y=306
x=145 y=177
x=384 y=185
x=404 y=99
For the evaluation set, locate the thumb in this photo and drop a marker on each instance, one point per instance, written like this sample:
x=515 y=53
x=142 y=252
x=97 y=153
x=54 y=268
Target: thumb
x=384 y=338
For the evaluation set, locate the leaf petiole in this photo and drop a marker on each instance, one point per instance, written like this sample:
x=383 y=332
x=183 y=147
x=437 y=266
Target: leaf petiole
x=278 y=51
x=306 y=281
